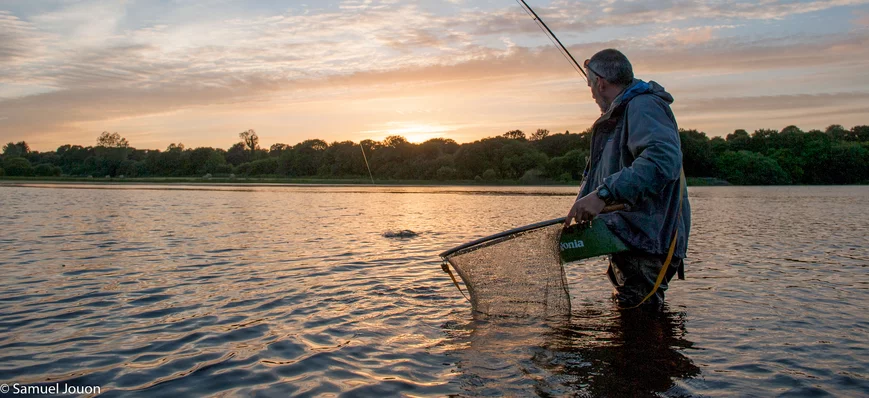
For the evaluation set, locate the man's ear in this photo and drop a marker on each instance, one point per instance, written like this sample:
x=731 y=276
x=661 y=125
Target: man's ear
x=601 y=84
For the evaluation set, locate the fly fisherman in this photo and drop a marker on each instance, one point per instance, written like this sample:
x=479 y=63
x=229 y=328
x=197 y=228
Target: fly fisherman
x=636 y=160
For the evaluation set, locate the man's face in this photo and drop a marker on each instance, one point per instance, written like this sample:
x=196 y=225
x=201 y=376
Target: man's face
x=594 y=83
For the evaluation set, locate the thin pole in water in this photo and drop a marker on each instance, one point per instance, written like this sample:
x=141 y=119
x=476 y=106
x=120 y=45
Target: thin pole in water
x=366 y=162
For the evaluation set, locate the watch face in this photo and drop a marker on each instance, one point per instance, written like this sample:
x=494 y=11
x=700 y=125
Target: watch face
x=603 y=193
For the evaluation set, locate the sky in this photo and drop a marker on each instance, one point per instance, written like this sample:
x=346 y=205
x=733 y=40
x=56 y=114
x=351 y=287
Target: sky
x=199 y=72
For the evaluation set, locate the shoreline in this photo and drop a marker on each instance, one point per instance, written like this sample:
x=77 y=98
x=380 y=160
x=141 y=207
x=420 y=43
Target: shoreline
x=6 y=181
x=17 y=181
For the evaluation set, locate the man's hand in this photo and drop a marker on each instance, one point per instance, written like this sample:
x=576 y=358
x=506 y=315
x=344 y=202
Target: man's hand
x=585 y=209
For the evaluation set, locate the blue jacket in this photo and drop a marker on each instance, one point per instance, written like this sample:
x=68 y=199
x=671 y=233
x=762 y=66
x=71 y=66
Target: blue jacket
x=636 y=154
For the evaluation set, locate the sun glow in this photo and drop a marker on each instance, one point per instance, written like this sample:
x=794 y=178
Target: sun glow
x=417 y=132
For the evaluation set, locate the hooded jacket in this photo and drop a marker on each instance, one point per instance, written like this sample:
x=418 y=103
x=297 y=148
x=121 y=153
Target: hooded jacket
x=636 y=154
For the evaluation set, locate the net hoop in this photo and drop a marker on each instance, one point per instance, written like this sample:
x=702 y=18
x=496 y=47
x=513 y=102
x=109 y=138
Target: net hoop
x=491 y=239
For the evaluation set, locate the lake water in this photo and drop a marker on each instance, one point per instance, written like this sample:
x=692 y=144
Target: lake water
x=288 y=290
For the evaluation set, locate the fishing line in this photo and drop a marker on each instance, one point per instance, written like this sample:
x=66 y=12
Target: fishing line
x=366 y=162
x=542 y=25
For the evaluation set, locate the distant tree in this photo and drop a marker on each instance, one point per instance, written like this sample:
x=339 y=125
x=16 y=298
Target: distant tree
x=2 y=172
x=250 y=140
x=277 y=149
x=242 y=169
x=344 y=159
x=514 y=135
x=860 y=133
x=697 y=157
x=848 y=163
x=540 y=134
x=817 y=149
x=17 y=166
x=111 y=151
x=472 y=159
x=71 y=158
x=437 y=147
x=112 y=140
x=23 y=148
x=205 y=160
x=833 y=156
x=572 y=164
x=175 y=147
x=131 y=168
x=395 y=159
x=555 y=145
x=175 y=161
x=446 y=173
x=763 y=140
x=428 y=169
x=237 y=154
x=533 y=176
x=517 y=157
x=394 y=141
x=262 y=167
x=791 y=130
x=739 y=140
x=20 y=149
x=791 y=162
x=308 y=157
x=749 y=168
x=370 y=145
x=46 y=170
x=837 y=132
x=718 y=145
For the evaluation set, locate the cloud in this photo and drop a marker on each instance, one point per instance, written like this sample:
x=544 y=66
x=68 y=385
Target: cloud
x=102 y=64
x=790 y=52
x=861 y=19
x=15 y=37
x=773 y=103
x=683 y=37
x=675 y=10
x=361 y=35
x=113 y=90
x=565 y=16
x=20 y=42
x=83 y=23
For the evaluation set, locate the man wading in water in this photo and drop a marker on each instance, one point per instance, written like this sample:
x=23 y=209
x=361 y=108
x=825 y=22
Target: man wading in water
x=636 y=159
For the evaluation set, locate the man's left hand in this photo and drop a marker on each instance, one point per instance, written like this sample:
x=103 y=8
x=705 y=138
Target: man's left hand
x=585 y=209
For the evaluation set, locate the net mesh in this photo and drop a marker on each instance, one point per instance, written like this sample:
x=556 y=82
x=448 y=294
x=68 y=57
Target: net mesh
x=516 y=275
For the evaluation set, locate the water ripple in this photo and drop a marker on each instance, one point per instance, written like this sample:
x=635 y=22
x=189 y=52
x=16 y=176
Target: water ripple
x=275 y=291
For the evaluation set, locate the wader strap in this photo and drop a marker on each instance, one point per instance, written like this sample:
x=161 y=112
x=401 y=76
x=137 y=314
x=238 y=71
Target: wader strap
x=663 y=273
x=446 y=267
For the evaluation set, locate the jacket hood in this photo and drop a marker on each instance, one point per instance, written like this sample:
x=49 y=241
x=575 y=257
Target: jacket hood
x=640 y=87
x=637 y=88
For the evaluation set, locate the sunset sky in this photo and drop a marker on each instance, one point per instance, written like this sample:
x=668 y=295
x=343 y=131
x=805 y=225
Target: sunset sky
x=201 y=71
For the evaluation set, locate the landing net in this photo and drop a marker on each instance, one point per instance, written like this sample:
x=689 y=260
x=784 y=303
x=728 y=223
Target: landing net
x=515 y=273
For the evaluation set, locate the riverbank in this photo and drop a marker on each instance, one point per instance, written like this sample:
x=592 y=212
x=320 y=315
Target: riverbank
x=692 y=181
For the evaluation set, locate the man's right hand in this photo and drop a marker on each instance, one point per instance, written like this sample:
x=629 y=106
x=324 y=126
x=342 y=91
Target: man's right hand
x=585 y=209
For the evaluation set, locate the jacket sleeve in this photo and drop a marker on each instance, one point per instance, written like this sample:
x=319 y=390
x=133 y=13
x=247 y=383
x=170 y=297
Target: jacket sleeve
x=653 y=140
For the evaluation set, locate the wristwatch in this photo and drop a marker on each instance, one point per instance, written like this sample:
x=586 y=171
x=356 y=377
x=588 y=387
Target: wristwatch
x=605 y=195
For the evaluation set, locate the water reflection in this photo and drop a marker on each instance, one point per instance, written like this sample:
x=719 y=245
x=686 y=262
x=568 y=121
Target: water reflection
x=295 y=291
x=593 y=353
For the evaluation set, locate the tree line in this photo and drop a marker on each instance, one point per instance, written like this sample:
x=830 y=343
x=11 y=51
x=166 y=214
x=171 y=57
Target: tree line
x=765 y=157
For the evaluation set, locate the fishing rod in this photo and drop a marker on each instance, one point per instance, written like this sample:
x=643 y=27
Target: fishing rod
x=567 y=55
